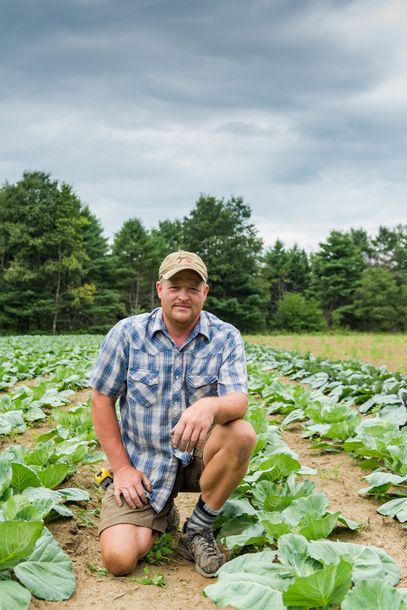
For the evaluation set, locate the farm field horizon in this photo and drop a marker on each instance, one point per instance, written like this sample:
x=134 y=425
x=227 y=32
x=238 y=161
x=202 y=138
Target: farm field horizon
x=379 y=349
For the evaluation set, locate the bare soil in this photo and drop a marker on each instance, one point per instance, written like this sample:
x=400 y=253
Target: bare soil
x=340 y=478
x=183 y=589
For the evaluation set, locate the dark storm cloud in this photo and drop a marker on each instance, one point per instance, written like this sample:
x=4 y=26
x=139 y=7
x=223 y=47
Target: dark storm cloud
x=141 y=105
x=212 y=54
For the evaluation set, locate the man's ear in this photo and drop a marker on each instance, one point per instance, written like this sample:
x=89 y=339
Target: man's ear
x=159 y=288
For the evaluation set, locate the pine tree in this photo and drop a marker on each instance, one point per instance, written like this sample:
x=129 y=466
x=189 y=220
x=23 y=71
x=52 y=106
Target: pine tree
x=337 y=271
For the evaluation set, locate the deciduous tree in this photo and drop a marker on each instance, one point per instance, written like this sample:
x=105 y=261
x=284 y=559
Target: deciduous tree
x=297 y=314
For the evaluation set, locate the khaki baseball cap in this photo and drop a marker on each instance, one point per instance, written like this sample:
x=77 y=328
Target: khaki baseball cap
x=178 y=261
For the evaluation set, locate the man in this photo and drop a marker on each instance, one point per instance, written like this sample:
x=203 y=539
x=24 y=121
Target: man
x=181 y=378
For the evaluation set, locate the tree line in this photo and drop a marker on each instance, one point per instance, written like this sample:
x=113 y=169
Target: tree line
x=58 y=272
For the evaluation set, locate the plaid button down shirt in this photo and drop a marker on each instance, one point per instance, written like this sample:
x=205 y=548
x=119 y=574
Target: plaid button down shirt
x=156 y=381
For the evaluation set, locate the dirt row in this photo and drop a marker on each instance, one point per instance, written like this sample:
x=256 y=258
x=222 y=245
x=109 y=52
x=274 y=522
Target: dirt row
x=340 y=478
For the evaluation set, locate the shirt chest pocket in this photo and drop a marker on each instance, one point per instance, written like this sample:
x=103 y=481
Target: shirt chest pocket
x=200 y=386
x=142 y=387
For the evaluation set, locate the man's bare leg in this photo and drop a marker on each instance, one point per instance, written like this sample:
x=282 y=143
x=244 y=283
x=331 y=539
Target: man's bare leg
x=123 y=545
x=226 y=458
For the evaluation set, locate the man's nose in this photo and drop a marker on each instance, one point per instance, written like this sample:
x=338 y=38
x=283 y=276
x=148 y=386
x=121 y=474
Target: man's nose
x=183 y=294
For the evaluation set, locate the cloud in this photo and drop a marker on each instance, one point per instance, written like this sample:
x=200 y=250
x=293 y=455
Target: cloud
x=298 y=107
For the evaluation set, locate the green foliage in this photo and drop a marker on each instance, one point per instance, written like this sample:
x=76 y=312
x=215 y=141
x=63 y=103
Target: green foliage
x=271 y=507
x=47 y=573
x=295 y=314
x=375 y=595
x=245 y=314
x=395 y=508
x=27 y=497
x=52 y=256
x=66 y=361
x=285 y=270
x=57 y=273
x=378 y=443
x=380 y=304
x=389 y=250
x=162 y=551
x=98 y=570
x=367 y=561
x=148 y=579
x=17 y=541
x=323 y=588
x=129 y=252
x=13 y=596
x=306 y=574
x=337 y=269
x=270 y=501
x=36 y=559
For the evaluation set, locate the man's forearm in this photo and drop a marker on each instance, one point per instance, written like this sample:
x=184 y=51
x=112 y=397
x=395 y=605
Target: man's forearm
x=229 y=407
x=108 y=430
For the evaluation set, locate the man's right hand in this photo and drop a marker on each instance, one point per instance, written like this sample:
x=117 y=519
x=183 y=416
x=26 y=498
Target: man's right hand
x=132 y=485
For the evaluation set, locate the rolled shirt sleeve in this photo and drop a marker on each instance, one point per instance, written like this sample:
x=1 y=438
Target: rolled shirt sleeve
x=233 y=373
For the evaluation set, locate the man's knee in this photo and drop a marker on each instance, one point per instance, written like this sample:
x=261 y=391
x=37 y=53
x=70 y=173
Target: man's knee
x=240 y=439
x=119 y=563
x=235 y=440
x=245 y=438
x=121 y=554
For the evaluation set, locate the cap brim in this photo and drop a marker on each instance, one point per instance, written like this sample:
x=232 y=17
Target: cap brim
x=169 y=274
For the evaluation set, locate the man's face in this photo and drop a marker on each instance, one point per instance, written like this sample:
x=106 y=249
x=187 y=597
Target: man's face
x=182 y=298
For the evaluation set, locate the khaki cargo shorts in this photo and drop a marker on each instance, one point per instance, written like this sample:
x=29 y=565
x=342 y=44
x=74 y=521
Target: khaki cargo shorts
x=187 y=480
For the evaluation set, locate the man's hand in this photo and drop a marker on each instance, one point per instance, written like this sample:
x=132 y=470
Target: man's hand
x=132 y=485
x=194 y=425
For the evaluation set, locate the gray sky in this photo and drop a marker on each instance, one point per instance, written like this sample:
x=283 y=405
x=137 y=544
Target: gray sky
x=299 y=106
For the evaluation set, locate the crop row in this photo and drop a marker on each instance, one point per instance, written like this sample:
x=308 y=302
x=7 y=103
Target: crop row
x=66 y=364
x=280 y=515
x=31 y=560
x=27 y=357
x=379 y=443
x=275 y=514
x=371 y=388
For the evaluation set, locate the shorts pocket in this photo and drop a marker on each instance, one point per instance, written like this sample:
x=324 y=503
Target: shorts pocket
x=142 y=386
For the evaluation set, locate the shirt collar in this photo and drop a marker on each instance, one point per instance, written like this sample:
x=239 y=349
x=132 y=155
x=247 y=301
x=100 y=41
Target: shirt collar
x=159 y=323
x=201 y=327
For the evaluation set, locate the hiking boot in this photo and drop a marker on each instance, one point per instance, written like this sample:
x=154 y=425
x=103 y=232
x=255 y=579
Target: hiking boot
x=173 y=520
x=200 y=546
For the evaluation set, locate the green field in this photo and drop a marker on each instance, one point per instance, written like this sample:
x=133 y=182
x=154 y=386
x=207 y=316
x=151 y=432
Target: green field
x=290 y=530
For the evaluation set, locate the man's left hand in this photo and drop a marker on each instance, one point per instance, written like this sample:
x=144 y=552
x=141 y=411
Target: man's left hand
x=194 y=425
